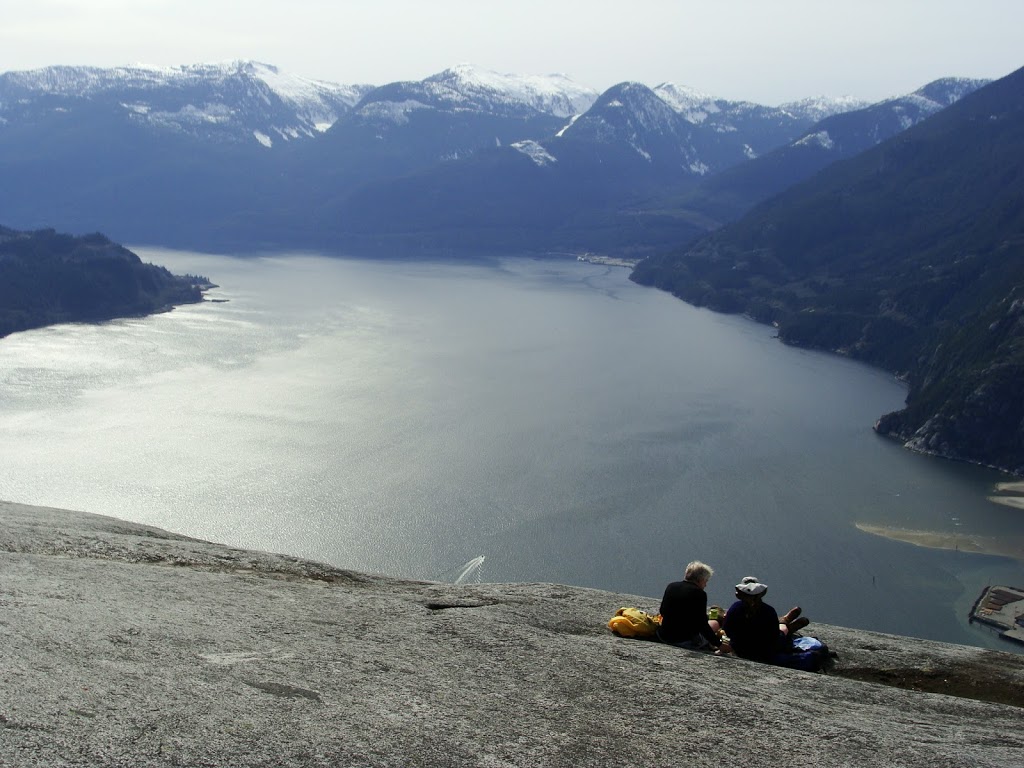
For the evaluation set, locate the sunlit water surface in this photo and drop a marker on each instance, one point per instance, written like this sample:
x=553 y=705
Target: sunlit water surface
x=552 y=417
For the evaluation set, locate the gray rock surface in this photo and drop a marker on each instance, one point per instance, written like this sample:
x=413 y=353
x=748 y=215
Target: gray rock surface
x=125 y=645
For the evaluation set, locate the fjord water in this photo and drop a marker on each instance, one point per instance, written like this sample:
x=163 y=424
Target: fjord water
x=550 y=416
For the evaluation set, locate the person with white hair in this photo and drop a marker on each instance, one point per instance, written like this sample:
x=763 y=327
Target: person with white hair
x=754 y=628
x=684 y=612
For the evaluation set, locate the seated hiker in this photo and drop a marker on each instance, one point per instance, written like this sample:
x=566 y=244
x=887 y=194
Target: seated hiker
x=684 y=617
x=754 y=628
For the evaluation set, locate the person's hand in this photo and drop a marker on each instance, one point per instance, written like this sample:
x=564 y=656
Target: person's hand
x=724 y=648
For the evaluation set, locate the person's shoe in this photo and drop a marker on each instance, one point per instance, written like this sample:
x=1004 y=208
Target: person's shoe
x=793 y=614
x=797 y=624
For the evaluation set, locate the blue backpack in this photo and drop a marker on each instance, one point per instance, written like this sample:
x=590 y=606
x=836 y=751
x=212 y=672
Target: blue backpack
x=806 y=653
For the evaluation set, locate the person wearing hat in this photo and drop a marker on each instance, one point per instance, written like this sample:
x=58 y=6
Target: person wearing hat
x=754 y=629
x=684 y=612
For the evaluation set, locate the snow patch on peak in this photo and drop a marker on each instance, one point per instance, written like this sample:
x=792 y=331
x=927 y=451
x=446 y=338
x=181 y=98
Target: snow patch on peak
x=919 y=100
x=949 y=90
x=631 y=114
x=300 y=90
x=85 y=81
x=932 y=98
x=821 y=139
x=694 y=106
x=190 y=114
x=682 y=94
x=396 y=112
x=535 y=152
x=643 y=107
x=568 y=125
x=641 y=151
x=818 y=108
x=554 y=94
x=259 y=96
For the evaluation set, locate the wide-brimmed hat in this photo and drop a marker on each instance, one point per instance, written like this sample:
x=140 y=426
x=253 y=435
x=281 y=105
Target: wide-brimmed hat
x=751 y=586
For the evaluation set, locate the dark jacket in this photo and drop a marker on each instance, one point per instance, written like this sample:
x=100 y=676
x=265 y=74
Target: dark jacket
x=684 y=614
x=753 y=634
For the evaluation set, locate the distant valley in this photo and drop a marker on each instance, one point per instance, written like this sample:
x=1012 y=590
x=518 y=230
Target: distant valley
x=243 y=156
x=889 y=232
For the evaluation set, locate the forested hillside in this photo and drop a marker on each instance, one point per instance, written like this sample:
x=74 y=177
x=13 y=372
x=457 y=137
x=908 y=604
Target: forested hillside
x=910 y=256
x=47 y=277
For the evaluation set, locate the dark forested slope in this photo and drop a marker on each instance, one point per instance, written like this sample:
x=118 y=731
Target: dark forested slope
x=47 y=277
x=909 y=256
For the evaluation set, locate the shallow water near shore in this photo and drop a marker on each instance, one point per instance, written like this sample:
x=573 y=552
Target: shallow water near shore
x=550 y=416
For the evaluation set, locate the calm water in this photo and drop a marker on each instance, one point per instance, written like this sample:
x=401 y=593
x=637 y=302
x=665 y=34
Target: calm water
x=553 y=417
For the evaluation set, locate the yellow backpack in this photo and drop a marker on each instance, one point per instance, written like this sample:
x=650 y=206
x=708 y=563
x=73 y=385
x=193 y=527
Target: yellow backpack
x=632 y=622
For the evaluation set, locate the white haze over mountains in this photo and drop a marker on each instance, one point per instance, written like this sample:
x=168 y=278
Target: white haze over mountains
x=744 y=50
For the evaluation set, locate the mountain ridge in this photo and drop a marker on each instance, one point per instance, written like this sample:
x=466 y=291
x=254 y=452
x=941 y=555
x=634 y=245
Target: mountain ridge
x=241 y=154
x=633 y=174
x=241 y=97
x=735 y=190
x=909 y=256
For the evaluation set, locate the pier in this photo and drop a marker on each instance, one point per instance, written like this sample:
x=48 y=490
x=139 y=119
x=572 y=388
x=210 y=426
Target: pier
x=1001 y=608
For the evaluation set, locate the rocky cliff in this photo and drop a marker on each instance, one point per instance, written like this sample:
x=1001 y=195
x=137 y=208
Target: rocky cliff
x=125 y=645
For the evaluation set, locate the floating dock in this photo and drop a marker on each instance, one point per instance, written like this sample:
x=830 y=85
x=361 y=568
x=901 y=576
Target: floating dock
x=1001 y=608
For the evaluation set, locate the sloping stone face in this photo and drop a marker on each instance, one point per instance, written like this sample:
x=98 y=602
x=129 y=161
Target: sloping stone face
x=123 y=645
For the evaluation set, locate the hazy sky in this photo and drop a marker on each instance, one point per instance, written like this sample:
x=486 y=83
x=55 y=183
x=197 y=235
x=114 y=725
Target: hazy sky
x=767 y=51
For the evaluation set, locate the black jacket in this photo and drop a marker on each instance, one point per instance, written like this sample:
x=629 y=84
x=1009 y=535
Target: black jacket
x=684 y=614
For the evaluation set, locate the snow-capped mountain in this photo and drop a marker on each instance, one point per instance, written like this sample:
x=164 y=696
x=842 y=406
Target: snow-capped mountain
x=242 y=153
x=239 y=101
x=834 y=138
x=641 y=165
x=403 y=127
x=631 y=118
x=853 y=132
x=677 y=130
x=692 y=105
x=761 y=128
x=818 y=108
x=701 y=108
x=465 y=88
x=626 y=111
x=631 y=145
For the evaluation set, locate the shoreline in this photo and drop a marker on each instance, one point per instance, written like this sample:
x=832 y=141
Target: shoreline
x=1011 y=499
x=608 y=261
x=995 y=546
x=1017 y=502
x=1001 y=608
